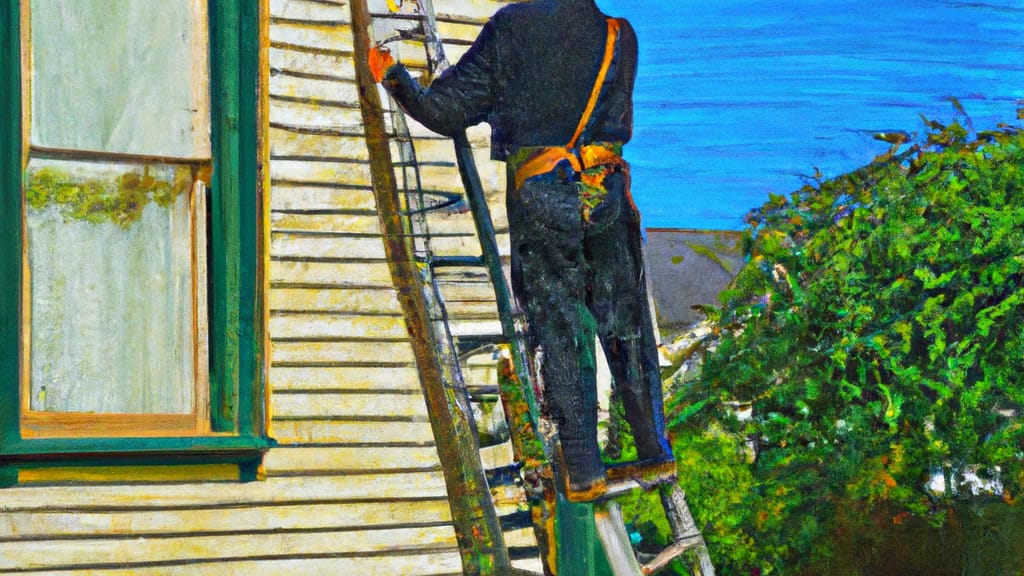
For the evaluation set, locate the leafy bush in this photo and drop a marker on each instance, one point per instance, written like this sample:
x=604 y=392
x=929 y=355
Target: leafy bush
x=877 y=331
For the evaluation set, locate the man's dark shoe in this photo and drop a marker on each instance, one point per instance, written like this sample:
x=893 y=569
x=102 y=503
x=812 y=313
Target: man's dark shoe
x=586 y=491
x=582 y=485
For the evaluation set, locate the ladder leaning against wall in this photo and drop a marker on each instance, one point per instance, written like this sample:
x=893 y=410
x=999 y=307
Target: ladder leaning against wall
x=569 y=539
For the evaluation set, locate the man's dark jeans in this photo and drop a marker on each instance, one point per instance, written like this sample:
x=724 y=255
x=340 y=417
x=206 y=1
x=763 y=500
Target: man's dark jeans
x=576 y=280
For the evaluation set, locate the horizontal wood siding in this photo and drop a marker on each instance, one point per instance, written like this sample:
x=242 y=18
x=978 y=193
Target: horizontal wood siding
x=346 y=401
x=467 y=293
x=355 y=485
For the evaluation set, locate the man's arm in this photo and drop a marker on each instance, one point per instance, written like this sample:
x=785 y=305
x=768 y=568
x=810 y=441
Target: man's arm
x=461 y=96
x=620 y=99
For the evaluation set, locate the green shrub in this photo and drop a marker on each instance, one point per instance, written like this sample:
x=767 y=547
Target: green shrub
x=877 y=330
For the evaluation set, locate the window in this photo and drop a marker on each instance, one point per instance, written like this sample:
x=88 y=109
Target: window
x=130 y=319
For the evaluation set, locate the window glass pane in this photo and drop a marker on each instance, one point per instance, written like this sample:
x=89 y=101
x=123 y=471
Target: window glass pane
x=113 y=318
x=125 y=76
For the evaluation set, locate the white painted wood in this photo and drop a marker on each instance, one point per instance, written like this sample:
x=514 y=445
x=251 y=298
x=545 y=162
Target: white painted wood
x=50 y=554
x=612 y=532
x=284 y=85
x=334 y=352
x=310 y=10
x=474 y=10
x=300 y=197
x=497 y=456
x=347 y=173
x=230 y=495
x=335 y=301
x=290 y=143
x=333 y=326
x=465 y=32
x=289 y=378
x=340 y=117
x=331 y=274
x=457 y=292
x=354 y=224
x=302 y=245
x=371 y=515
x=350 y=459
x=406 y=563
x=475 y=327
x=331 y=65
x=354 y=406
x=316 y=431
x=333 y=36
x=95 y=526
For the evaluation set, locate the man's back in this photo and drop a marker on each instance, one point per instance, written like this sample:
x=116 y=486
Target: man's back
x=548 y=56
x=529 y=74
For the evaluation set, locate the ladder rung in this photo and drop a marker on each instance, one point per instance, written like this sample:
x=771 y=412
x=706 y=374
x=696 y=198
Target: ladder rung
x=468 y=344
x=671 y=553
x=516 y=520
x=457 y=261
x=523 y=552
x=504 y=476
x=496 y=438
x=484 y=393
x=617 y=488
x=448 y=199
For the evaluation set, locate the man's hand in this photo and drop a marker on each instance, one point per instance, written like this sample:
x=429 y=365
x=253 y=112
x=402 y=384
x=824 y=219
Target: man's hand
x=380 y=60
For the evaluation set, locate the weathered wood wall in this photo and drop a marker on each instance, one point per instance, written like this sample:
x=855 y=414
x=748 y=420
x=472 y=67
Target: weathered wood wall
x=355 y=485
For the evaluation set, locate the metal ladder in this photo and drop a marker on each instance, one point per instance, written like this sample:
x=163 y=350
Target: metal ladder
x=532 y=440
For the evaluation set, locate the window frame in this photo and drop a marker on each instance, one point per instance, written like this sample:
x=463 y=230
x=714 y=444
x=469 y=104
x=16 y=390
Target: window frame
x=235 y=262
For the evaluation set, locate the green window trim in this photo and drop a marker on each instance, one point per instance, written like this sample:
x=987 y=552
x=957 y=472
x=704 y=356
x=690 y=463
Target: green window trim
x=235 y=275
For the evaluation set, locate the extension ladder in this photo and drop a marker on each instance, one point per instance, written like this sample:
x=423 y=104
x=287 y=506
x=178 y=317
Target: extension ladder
x=532 y=440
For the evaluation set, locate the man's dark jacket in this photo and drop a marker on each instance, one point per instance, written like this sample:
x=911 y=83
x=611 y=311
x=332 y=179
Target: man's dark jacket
x=523 y=75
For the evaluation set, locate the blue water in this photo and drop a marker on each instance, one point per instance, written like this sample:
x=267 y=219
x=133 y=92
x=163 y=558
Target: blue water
x=739 y=98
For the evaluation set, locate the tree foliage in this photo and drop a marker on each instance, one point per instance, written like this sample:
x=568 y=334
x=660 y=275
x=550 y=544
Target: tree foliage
x=877 y=333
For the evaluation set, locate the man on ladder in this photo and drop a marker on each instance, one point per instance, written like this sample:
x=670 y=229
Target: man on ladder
x=554 y=79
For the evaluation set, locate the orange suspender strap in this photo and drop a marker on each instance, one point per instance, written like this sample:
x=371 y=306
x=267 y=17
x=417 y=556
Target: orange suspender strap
x=609 y=52
x=546 y=160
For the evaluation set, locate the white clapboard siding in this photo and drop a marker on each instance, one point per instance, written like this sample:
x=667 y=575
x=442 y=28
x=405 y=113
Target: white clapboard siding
x=311 y=34
x=298 y=300
x=357 y=431
x=293 y=141
x=405 y=562
x=354 y=485
x=355 y=406
x=310 y=11
x=319 y=199
x=469 y=11
x=279 y=491
x=352 y=377
x=316 y=324
x=314 y=62
x=289 y=272
x=296 y=220
x=315 y=245
x=146 y=522
x=358 y=459
x=347 y=398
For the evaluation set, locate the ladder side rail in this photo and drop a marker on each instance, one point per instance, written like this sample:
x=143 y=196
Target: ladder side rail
x=415 y=224
x=484 y=224
x=478 y=533
x=492 y=260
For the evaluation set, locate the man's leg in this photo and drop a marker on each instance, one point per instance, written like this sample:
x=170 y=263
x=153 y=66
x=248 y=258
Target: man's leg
x=549 y=282
x=618 y=298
